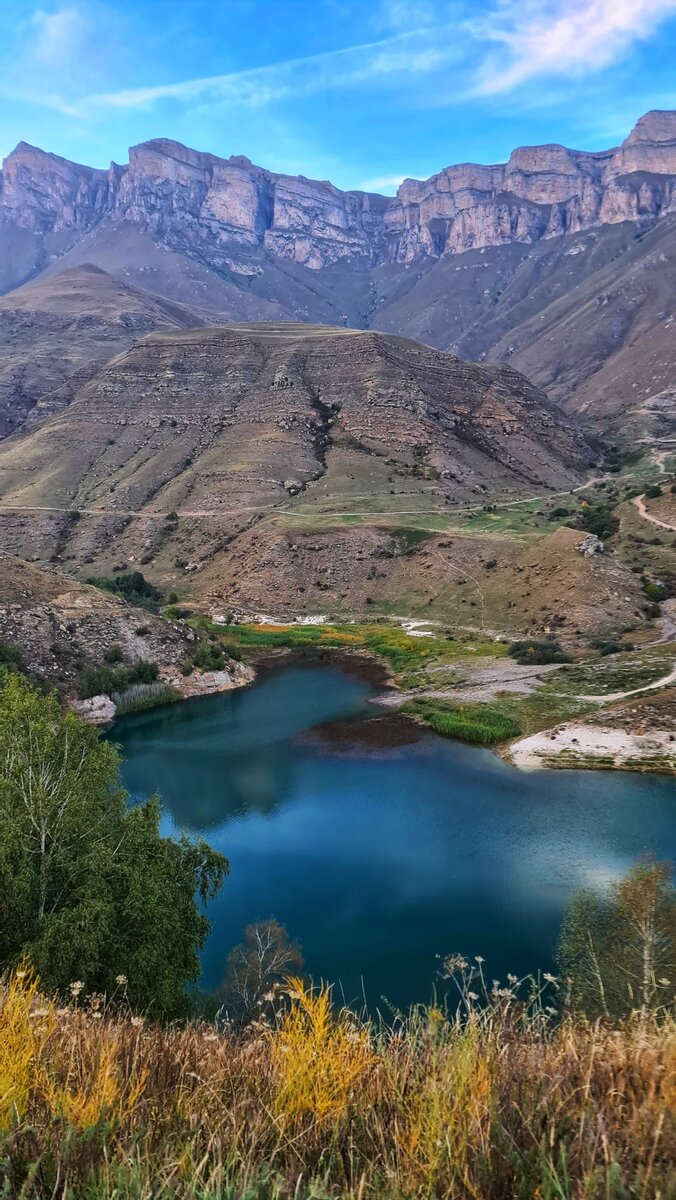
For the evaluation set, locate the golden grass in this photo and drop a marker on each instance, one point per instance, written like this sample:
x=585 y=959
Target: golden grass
x=97 y=1103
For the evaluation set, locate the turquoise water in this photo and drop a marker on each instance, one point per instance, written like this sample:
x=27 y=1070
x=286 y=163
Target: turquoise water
x=378 y=861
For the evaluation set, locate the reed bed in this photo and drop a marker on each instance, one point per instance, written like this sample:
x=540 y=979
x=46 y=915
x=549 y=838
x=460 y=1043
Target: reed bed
x=502 y=1101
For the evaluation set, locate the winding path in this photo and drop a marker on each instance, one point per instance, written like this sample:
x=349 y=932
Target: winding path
x=639 y=502
x=647 y=687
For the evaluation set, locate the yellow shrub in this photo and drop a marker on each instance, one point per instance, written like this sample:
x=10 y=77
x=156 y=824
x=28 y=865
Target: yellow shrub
x=318 y=1057
x=445 y=1111
x=93 y=1089
x=22 y=1033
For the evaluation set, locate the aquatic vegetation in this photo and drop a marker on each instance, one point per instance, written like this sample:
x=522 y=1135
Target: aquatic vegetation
x=480 y=724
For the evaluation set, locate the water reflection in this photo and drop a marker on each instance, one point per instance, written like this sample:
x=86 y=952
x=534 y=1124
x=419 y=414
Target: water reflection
x=379 y=863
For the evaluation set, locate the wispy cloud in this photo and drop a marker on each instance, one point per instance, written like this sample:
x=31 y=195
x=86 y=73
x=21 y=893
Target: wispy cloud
x=413 y=53
x=436 y=51
x=56 y=38
x=557 y=38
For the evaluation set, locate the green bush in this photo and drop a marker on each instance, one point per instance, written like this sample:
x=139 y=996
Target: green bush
x=11 y=657
x=598 y=518
x=133 y=587
x=103 y=681
x=538 y=653
x=208 y=657
x=654 y=591
x=114 y=654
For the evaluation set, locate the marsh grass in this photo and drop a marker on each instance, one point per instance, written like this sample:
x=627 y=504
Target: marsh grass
x=140 y=696
x=504 y=1100
x=477 y=723
x=400 y=650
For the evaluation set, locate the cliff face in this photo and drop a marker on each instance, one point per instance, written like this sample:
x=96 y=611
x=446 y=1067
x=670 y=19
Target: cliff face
x=208 y=206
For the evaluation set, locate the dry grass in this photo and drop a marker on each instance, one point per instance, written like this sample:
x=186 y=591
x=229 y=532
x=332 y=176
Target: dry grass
x=95 y=1103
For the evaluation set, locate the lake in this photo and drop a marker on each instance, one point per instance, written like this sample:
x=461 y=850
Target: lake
x=380 y=859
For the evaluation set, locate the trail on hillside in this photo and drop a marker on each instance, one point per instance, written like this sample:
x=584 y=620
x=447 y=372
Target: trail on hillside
x=638 y=502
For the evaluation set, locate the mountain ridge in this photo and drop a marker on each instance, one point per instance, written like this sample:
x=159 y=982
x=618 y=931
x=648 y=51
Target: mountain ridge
x=190 y=197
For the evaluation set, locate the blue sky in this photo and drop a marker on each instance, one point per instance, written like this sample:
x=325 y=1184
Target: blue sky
x=363 y=93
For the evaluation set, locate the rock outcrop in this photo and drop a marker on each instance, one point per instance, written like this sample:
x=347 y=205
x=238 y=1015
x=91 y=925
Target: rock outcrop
x=209 y=206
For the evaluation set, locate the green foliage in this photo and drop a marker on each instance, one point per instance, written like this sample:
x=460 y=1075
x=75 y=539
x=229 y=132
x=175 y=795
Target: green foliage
x=653 y=491
x=617 y=949
x=176 y=613
x=653 y=590
x=208 y=656
x=597 y=517
x=103 y=681
x=11 y=657
x=606 y=646
x=480 y=724
x=114 y=654
x=133 y=587
x=90 y=890
x=538 y=653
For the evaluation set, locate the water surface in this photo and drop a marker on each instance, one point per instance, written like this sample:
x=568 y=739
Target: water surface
x=378 y=861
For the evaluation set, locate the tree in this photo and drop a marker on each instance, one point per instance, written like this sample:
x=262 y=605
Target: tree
x=617 y=950
x=256 y=968
x=89 y=890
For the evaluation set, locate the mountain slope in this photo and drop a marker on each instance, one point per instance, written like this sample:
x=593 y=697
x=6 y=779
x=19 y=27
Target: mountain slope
x=223 y=424
x=54 y=332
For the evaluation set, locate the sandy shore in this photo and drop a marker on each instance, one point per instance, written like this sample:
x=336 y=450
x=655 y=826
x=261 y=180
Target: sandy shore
x=578 y=744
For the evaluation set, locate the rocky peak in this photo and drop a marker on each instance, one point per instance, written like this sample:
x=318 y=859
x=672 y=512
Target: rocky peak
x=208 y=206
x=659 y=125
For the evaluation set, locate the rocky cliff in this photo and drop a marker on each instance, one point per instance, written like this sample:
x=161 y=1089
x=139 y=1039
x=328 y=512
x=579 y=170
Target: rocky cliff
x=215 y=208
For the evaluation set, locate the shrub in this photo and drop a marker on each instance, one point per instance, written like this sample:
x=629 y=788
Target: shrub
x=607 y=646
x=654 y=591
x=208 y=657
x=103 y=681
x=132 y=586
x=11 y=657
x=177 y=614
x=114 y=654
x=653 y=491
x=597 y=518
x=539 y=653
x=143 y=672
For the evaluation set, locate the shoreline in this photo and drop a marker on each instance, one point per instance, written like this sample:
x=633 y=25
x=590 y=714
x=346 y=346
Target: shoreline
x=576 y=745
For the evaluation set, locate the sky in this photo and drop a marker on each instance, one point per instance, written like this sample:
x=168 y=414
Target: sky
x=362 y=92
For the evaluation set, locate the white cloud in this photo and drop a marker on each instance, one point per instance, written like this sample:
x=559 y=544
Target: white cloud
x=57 y=38
x=403 y=55
x=435 y=51
x=552 y=38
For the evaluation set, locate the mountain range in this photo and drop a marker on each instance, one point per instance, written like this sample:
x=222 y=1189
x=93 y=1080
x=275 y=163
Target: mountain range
x=249 y=383
x=559 y=262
